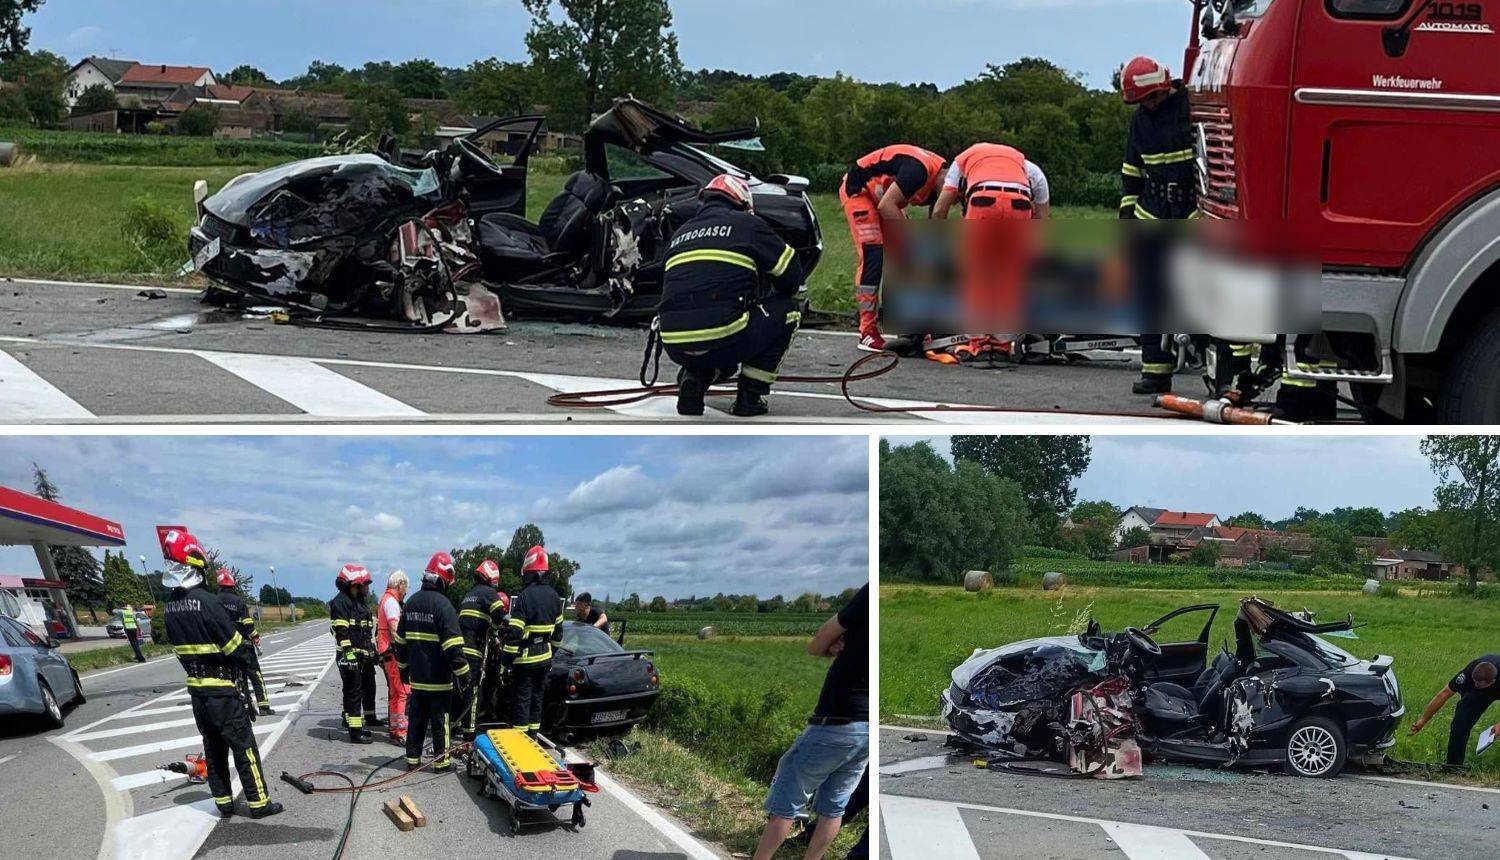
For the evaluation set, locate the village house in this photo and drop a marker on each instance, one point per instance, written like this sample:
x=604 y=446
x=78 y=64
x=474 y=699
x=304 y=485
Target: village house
x=94 y=71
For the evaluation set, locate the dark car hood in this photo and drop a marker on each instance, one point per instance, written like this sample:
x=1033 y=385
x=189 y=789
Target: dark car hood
x=637 y=125
x=233 y=202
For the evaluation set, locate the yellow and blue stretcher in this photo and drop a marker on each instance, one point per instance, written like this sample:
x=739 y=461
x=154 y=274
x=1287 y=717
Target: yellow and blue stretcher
x=529 y=777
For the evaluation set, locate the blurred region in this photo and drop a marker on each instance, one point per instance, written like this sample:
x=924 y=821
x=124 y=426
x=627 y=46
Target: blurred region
x=1239 y=281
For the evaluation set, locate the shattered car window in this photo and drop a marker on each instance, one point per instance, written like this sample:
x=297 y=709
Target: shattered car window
x=1330 y=653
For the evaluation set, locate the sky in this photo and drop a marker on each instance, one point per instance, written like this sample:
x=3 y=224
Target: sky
x=910 y=41
x=1270 y=475
x=669 y=515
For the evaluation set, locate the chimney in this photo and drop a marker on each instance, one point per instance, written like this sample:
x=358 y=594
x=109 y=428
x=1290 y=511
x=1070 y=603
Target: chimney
x=164 y=68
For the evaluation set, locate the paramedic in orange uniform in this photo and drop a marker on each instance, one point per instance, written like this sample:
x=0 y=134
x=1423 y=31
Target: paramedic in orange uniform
x=878 y=188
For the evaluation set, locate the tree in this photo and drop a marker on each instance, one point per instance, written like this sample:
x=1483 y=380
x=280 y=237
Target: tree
x=658 y=604
x=75 y=565
x=420 y=79
x=246 y=75
x=275 y=596
x=1333 y=547
x=1205 y=554
x=39 y=100
x=1043 y=467
x=378 y=109
x=198 y=121
x=122 y=585
x=600 y=49
x=1468 y=498
x=1134 y=537
x=95 y=99
x=936 y=520
x=1247 y=520
x=631 y=603
x=212 y=561
x=1366 y=522
x=499 y=87
x=1102 y=511
x=13 y=37
x=1417 y=528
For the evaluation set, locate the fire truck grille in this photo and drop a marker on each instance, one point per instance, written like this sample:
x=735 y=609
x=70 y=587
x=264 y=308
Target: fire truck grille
x=1215 y=147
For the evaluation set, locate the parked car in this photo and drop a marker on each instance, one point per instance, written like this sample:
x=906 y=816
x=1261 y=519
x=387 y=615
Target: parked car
x=1284 y=696
x=596 y=685
x=35 y=677
x=116 y=629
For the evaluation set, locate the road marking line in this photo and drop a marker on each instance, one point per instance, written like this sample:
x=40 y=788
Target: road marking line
x=1426 y=784
x=924 y=763
x=1197 y=834
x=655 y=407
x=916 y=828
x=130 y=730
x=311 y=387
x=159 y=746
x=1143 y=842
x=26 y=396
x=681 y=838
x=178 y=709
x=132 y=287
x=8 y=758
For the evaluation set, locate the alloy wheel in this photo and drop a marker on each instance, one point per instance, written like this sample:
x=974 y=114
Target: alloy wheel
x=1312 y=750
x=49 y=702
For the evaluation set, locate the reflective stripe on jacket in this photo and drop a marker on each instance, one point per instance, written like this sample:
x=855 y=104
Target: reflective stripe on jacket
x=535 y=625
x=428 y=643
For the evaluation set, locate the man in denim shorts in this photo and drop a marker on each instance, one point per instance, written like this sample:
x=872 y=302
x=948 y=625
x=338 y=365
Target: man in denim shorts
x=825 y=763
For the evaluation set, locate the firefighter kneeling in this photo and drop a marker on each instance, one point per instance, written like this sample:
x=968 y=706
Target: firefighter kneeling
x=716 y=314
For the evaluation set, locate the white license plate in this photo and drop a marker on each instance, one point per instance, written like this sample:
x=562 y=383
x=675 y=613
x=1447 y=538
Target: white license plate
x=608 y=716
x=206 y=254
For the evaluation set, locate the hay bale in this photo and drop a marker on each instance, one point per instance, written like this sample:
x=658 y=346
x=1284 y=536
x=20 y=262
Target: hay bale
x=707 y=632
x=10 y=153
x=1052 y=580
x=978 y=580
x=1371 y=586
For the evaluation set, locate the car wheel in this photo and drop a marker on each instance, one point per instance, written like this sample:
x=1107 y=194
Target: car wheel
x=78 y=685
x=1471 y=394
x=1315 y=748
x=51 y=711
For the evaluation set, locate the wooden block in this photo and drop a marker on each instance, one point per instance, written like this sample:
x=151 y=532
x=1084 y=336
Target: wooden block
x=398 y=816
x=409 y=806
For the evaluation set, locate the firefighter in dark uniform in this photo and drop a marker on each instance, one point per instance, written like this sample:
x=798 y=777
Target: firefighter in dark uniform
x=535 y=626
x=214 y=654
x=729 y=299
x=353 y=629
x=430 y=656
x=239 y=613
x=1159 y=179
x=483 y=611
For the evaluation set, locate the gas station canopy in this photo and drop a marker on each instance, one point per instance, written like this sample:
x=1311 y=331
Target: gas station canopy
x=28 y=520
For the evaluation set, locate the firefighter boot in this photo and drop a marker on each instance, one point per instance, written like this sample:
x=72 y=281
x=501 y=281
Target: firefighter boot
x=749 y=400
x=1151 y=383
x=690 y=390
x=270 y=809
x=360 y=736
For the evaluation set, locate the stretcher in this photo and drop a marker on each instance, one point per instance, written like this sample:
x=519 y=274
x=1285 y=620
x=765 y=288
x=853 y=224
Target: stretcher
x=528 y=777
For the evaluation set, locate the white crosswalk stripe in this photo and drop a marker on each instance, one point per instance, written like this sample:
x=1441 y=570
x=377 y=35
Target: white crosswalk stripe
x=25 y=396
x=311 y=387
x=918 y=828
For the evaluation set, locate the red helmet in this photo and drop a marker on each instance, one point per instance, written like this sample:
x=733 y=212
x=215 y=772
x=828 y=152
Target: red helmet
x=177 y=545
x=226 y=579
x=732 y=187
x=489 y=572
x=353 y=574
x=536 y=561
x=441 y=566
x=1143 y=76
x=505 y=602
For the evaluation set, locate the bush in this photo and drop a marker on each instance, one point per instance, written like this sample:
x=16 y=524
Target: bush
x=1389 y=589
x=746 y=732
x=825 y=178
x=198 y=121
x=155 y=236
x=1034 y=551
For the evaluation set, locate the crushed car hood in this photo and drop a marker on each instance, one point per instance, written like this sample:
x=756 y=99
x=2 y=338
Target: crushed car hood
x=359 y=174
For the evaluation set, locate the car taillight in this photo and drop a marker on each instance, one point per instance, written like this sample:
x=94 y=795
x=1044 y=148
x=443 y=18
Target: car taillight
x=578 y=676
x=651 y=670
x=4 y=664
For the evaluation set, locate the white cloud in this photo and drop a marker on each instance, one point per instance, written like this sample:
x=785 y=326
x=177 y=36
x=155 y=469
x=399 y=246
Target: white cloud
x=387 y=521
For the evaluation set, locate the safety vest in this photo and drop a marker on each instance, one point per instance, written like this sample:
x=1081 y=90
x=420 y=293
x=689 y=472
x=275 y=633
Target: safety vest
x=127 y=618
x=386 y=620
x=874 y=173
x=995 y=182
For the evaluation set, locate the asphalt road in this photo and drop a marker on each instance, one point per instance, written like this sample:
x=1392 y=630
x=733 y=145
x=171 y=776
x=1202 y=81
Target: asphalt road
x=91 y=789
x=935 y=806
x=91 y=353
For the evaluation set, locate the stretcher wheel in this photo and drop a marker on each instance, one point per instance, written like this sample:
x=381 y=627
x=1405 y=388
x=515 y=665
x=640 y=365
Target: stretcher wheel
x=515 y=824
x=578 y=815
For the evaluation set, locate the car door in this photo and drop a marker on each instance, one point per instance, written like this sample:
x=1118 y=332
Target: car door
x=1183 y=635
x=508 y=142
x=51 y=664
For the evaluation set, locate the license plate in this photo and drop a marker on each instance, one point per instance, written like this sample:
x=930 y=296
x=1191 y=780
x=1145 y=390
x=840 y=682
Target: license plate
x=206 y=254
x=608 y=716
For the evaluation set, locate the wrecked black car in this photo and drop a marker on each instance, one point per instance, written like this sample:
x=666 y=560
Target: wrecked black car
x=409 y=237
x=1100 y=702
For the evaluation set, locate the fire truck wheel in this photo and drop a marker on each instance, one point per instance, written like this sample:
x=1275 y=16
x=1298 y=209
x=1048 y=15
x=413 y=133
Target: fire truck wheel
x=1471 y=392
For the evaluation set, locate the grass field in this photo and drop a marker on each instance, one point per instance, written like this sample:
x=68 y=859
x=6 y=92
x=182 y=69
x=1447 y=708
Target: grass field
x=65 y=210
x=730 y=706
x=926 y=631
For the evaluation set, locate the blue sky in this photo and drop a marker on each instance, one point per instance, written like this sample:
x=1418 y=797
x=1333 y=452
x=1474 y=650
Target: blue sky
x=941 y=41
x=671 y=515
x=1271 y=475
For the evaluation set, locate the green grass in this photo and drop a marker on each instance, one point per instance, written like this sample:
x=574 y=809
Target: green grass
x=730 y=706
x=725 y=623
x=1083 y=571
x=152 y=150
x=102 y=658
x=926 y=631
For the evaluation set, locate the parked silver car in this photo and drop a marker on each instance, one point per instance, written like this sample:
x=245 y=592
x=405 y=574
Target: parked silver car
x=35 y=677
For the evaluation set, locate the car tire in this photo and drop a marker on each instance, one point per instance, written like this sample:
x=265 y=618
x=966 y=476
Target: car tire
x=52 y=715
x=1471 y=389
x=1315 y=748
x=78 y=685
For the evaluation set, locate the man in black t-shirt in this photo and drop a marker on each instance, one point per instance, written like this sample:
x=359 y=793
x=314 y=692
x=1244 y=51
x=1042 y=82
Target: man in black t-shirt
x=825 y=763
x=587 y=613
x=1477 y=689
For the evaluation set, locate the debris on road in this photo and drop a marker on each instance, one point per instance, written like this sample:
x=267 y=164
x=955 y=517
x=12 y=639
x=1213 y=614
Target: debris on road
x=398 y=816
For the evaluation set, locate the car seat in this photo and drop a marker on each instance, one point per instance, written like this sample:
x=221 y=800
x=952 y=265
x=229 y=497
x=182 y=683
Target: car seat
x=1173 y=707
x=511 y=246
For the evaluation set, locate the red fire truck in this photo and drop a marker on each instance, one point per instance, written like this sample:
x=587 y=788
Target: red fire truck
x=1372 y=127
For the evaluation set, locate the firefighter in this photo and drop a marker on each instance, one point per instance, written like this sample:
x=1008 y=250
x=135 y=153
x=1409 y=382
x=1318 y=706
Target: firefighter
x=535 y=626
x=1159 y=179
x=878 y=188
x=387 y=619
x=352 y=629
x=483 y=611
x=214 y=655
x=430 y=657
x=239 y=613
x=729 y=299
